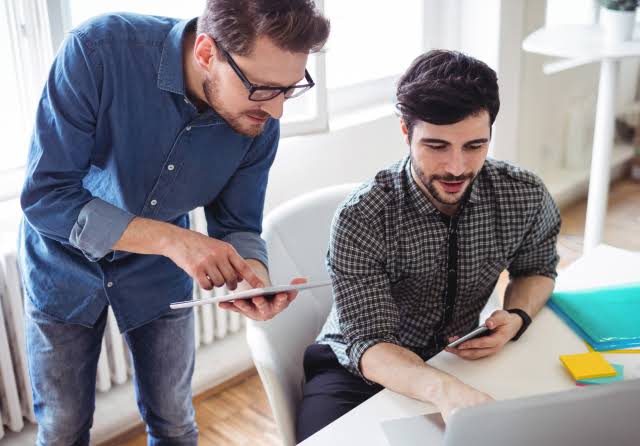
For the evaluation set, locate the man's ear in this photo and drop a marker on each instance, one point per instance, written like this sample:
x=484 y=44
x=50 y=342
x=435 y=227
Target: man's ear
x=205 y=51
x=405 y=131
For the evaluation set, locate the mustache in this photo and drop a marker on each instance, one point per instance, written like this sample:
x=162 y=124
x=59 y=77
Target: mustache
x=453 y=178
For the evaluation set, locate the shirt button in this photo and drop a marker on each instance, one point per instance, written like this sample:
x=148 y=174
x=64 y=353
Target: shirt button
x=188 y=129
x=171 y=167
x=109 y=284
x=154 y=202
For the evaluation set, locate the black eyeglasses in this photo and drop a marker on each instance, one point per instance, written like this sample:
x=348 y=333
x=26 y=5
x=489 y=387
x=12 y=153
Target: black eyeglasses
x=262 y=93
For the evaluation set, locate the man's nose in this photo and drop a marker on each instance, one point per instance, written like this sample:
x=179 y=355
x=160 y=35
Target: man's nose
x=455 y=164
x=274 y=106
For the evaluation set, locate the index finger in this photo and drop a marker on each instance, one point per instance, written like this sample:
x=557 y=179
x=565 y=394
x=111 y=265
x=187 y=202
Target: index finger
x=245 y=270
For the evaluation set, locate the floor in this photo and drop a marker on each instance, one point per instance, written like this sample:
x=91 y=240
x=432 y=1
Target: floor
x=240 y=416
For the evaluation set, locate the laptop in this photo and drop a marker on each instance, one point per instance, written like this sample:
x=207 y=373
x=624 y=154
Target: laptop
x=597 y=415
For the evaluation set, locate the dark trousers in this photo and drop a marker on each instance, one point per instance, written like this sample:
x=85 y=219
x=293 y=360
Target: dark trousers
x=329 y=392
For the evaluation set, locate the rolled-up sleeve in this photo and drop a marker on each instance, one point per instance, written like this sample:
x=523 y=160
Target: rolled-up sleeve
x=100 y=225
x=537 y=255
x=367 y=313
x=235 y=216
x=53 y=198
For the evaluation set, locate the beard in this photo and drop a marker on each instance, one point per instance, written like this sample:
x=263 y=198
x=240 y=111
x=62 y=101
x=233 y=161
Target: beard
x=446 y=198
x=235 y=120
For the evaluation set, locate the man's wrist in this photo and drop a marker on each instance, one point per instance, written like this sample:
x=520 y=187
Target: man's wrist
x=526 y=321
x=260 y=270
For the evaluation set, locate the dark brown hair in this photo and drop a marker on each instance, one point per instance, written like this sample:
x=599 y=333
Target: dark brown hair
x=444 y=87
x=293 y=25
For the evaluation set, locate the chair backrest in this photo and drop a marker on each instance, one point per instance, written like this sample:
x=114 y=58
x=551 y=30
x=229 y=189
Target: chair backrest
x=297 y=237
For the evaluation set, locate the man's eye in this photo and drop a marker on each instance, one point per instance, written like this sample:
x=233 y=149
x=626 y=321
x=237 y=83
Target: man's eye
x=436 y=147
x=475 y=146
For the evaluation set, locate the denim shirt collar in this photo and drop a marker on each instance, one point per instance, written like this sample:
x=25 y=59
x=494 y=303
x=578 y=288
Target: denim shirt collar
x=171 y=72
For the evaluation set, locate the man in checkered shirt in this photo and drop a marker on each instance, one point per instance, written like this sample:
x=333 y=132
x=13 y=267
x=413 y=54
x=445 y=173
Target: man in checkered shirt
x=416 y=252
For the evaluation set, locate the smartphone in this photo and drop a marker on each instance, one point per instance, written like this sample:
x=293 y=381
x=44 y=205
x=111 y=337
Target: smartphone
x=473 y=334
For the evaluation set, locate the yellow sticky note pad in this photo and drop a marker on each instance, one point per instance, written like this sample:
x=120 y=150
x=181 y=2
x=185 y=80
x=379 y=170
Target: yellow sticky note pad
x=587 y=366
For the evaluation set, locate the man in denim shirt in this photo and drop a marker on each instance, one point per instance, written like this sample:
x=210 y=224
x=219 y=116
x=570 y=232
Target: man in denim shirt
x=143 y=119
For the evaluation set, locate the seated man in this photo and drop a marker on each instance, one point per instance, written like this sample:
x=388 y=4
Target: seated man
x=416 y=252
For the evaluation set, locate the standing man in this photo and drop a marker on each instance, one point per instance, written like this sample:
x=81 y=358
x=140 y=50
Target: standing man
x=416 y=252
x=142 y=120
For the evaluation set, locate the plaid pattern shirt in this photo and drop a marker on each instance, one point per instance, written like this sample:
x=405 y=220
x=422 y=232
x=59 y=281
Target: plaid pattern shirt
x=390 y=258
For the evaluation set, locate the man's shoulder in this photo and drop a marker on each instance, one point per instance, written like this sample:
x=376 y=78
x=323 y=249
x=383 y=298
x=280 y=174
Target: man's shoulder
x=373 y=197
x=512 y=179
x=125 y=27
x=519 y=194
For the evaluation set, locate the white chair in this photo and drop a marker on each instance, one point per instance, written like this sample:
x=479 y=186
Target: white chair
x=297 y=236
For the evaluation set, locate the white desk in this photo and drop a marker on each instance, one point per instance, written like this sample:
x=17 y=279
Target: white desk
x=527 y=367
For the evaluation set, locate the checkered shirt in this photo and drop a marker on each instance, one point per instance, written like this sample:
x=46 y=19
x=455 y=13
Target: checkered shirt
x=388 y=258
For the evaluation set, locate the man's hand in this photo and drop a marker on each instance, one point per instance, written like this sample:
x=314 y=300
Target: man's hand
x=209 y=261
x=263 y=308
x=457 y=395
x=503 y=326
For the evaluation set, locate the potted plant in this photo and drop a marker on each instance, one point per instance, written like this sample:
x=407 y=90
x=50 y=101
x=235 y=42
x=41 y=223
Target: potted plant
x=617 y=19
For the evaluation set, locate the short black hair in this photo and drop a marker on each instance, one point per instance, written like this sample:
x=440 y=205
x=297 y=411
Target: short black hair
x=444 y=87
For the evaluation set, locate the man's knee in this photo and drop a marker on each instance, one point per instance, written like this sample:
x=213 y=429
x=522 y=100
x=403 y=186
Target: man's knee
x=63 y=426
x=167 y=433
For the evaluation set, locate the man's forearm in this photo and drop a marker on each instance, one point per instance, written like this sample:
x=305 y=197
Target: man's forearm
x=529 y=293
x=402 y=371
x=146 y=236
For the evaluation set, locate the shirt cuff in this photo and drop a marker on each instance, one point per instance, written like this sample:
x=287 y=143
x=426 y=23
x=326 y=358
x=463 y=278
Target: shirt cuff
x=357 y=349
x=249 y=245
x=99 y=226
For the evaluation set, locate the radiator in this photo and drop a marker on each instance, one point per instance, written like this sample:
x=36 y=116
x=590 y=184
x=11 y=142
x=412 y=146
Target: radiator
x=114 y=366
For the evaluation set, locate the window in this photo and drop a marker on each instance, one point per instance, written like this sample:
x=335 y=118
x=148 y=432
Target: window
x=372 y=42
x=371 y=39
x=14 y=129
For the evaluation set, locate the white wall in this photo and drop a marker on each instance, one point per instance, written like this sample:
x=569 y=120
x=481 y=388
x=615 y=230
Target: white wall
x=353 y=153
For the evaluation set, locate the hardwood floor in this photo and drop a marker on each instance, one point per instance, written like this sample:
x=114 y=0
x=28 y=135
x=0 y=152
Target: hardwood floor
x=239 y=415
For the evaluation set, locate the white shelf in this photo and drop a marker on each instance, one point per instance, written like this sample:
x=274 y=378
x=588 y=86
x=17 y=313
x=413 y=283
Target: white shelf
x=579 y=42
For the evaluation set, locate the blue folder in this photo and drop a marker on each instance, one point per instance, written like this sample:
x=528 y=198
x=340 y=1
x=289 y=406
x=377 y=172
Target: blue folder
x=607 y=318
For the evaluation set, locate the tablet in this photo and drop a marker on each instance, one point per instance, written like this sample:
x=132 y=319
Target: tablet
x=475 y=333
x=270 y=291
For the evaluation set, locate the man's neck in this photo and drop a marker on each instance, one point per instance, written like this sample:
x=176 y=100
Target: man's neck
x=192 y=77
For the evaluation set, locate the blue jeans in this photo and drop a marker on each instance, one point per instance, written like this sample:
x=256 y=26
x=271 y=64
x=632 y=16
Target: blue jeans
x=63 y=360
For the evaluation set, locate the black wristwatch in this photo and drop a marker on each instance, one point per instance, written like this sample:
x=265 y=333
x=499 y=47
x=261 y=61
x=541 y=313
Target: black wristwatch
x=526 y=321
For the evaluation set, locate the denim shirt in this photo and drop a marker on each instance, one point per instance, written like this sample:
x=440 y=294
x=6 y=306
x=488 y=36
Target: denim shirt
x=117 y=137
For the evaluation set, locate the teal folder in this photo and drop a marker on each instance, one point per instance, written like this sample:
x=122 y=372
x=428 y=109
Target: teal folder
x=607 y=318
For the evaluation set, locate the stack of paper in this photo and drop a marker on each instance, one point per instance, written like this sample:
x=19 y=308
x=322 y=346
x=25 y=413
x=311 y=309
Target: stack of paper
x=587 y=365
x=606 y=380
